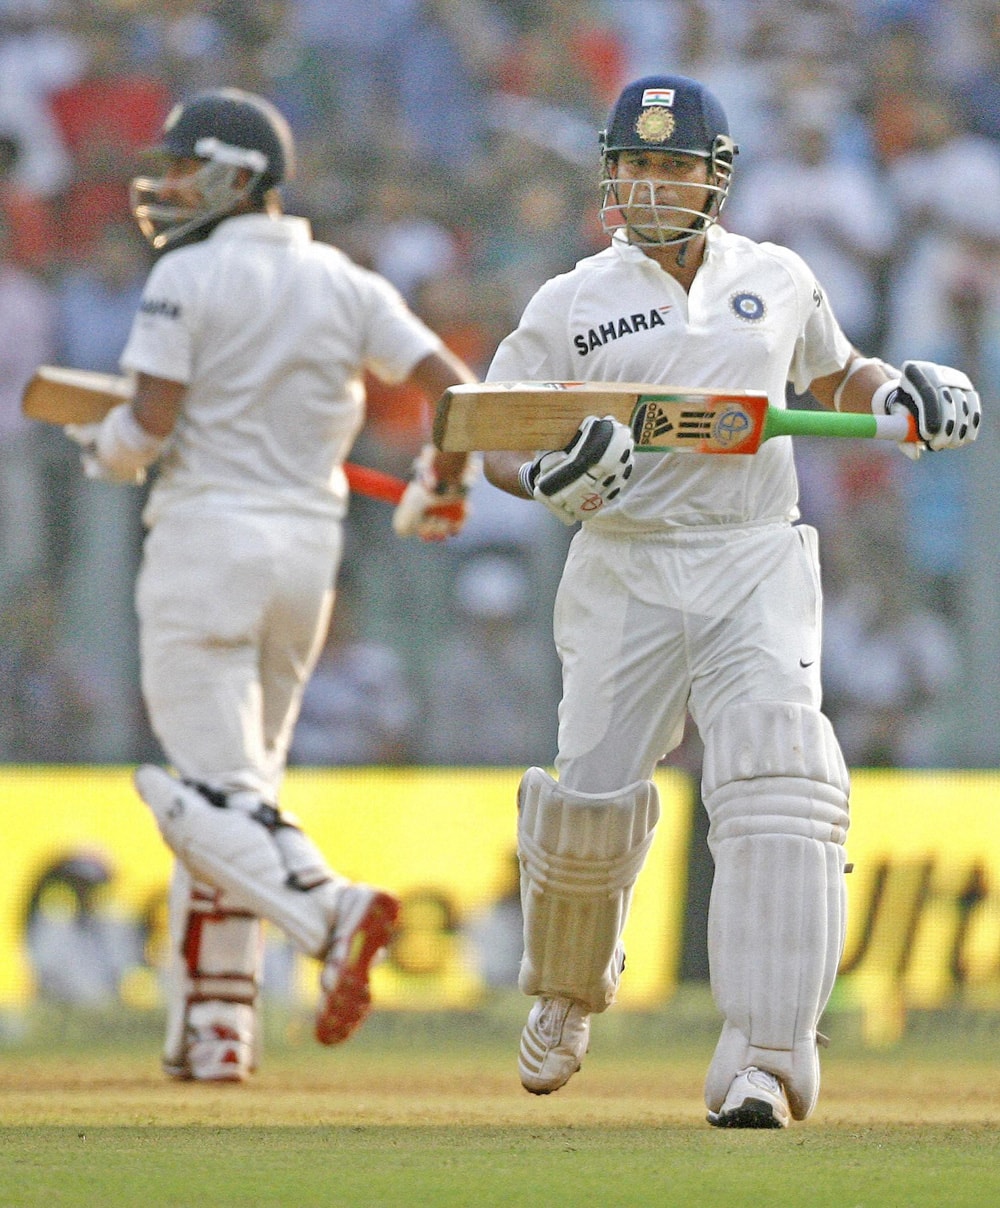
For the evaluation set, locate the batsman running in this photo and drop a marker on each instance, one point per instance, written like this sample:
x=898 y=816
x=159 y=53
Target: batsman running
x=690 y=589
x=248 y=353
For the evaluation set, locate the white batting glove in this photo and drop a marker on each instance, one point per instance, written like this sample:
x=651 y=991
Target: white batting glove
x=118 y=449
x=577 y=481
x=85 y=435
x=942 y=400
x=429 y=509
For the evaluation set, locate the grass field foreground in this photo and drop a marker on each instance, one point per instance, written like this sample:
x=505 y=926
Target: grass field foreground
x=421 y=1111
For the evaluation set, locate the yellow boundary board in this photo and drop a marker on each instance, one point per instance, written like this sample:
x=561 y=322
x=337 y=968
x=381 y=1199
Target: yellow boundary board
x=441 y=838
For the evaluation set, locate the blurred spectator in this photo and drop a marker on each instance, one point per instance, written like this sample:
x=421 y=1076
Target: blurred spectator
x=887 y=660
x=403 y=239
x=38 y=56
x=179 y=41
x=48 y=701
x=492 y=677
x=443 y=56
x=33 y=241
x=947 y=187
x=27 y=321
x=534 y=239
x=568 y=53
x=898 y=79
x=358 y=707
x=349 y=58
x=977 y=92
x=105 y=118
x=833 y=212
x=97 y=298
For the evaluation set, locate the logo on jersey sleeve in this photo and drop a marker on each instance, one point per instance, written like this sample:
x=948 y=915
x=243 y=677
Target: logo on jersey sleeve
x=614 y=329
x=161 y=308
x=748 y=307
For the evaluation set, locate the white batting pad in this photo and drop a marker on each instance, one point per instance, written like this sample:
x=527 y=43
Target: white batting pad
x=215 y=956
x=776 y=790
x=580 y=856
x=278 y=875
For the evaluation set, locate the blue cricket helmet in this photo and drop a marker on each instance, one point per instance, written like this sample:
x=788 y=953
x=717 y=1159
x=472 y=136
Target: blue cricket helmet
x=668 y=113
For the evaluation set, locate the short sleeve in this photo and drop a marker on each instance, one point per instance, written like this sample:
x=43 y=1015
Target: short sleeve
x=160 y=341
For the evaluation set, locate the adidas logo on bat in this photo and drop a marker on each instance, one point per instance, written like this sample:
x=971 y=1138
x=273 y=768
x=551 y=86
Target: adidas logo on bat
x=650 y=423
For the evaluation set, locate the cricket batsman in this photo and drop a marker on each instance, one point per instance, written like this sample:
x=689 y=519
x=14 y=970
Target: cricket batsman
x=248 y=351
x=690 y=588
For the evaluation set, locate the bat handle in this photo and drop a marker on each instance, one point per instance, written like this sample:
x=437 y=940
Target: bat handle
x=363 y=480
x=900 y=426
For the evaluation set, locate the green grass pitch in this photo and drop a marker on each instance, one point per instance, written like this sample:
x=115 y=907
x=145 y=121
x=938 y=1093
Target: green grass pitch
x=427 y=1110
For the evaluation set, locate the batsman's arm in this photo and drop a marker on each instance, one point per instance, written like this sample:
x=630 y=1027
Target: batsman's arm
x=502 y=469
x=434 y=374
x=157 y=403
x=851 y=388
x=434 y=506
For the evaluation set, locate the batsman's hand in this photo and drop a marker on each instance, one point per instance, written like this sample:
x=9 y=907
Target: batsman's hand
x=942 y=401
x=118 y=449
x=85 y=435
x=430 y=509
x=576 y=482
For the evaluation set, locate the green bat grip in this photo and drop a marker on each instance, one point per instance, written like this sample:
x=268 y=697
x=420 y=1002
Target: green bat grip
x=838 y=423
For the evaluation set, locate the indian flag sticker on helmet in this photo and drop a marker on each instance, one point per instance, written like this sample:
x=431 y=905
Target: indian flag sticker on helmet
x=658 y=96
x=655 y=124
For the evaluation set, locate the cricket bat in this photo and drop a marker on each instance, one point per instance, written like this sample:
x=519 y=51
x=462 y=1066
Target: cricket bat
x=56 y=395
x=544 y=415
x=73 y=396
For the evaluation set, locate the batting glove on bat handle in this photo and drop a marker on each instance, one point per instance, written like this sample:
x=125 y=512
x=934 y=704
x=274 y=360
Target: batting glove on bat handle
x=942 y=400
x=432 y=510
x=577 y=481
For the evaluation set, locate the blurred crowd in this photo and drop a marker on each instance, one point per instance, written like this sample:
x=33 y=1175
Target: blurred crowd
x=451 y=145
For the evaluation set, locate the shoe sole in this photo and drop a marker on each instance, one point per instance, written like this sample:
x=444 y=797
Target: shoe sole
x=346 y=1006
x=752 y=1113
x=547 y=1090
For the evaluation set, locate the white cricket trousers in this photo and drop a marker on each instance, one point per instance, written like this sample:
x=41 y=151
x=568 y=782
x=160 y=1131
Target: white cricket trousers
x=233 y=610
x=650 y=626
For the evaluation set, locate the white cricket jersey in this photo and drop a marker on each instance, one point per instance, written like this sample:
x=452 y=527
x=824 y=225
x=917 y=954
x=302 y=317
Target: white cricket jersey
x=271 y=332
x=754 y=319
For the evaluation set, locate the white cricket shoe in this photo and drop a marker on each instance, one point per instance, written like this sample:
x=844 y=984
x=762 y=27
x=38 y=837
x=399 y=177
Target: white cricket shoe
x=218 y=1044
x=553 y=1043
x=756 y=1099
x=365 y=923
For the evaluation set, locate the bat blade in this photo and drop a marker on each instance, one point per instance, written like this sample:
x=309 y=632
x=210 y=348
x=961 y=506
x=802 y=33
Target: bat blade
x=545 y=415
x=57 y=395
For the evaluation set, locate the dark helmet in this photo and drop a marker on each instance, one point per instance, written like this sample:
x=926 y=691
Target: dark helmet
x=230 y=126
x=231 y=131
x=666 y=113
x=669 y=113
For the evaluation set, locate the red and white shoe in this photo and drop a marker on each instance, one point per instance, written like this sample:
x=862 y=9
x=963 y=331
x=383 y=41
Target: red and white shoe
x=366 y=922
x=218 y=1044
